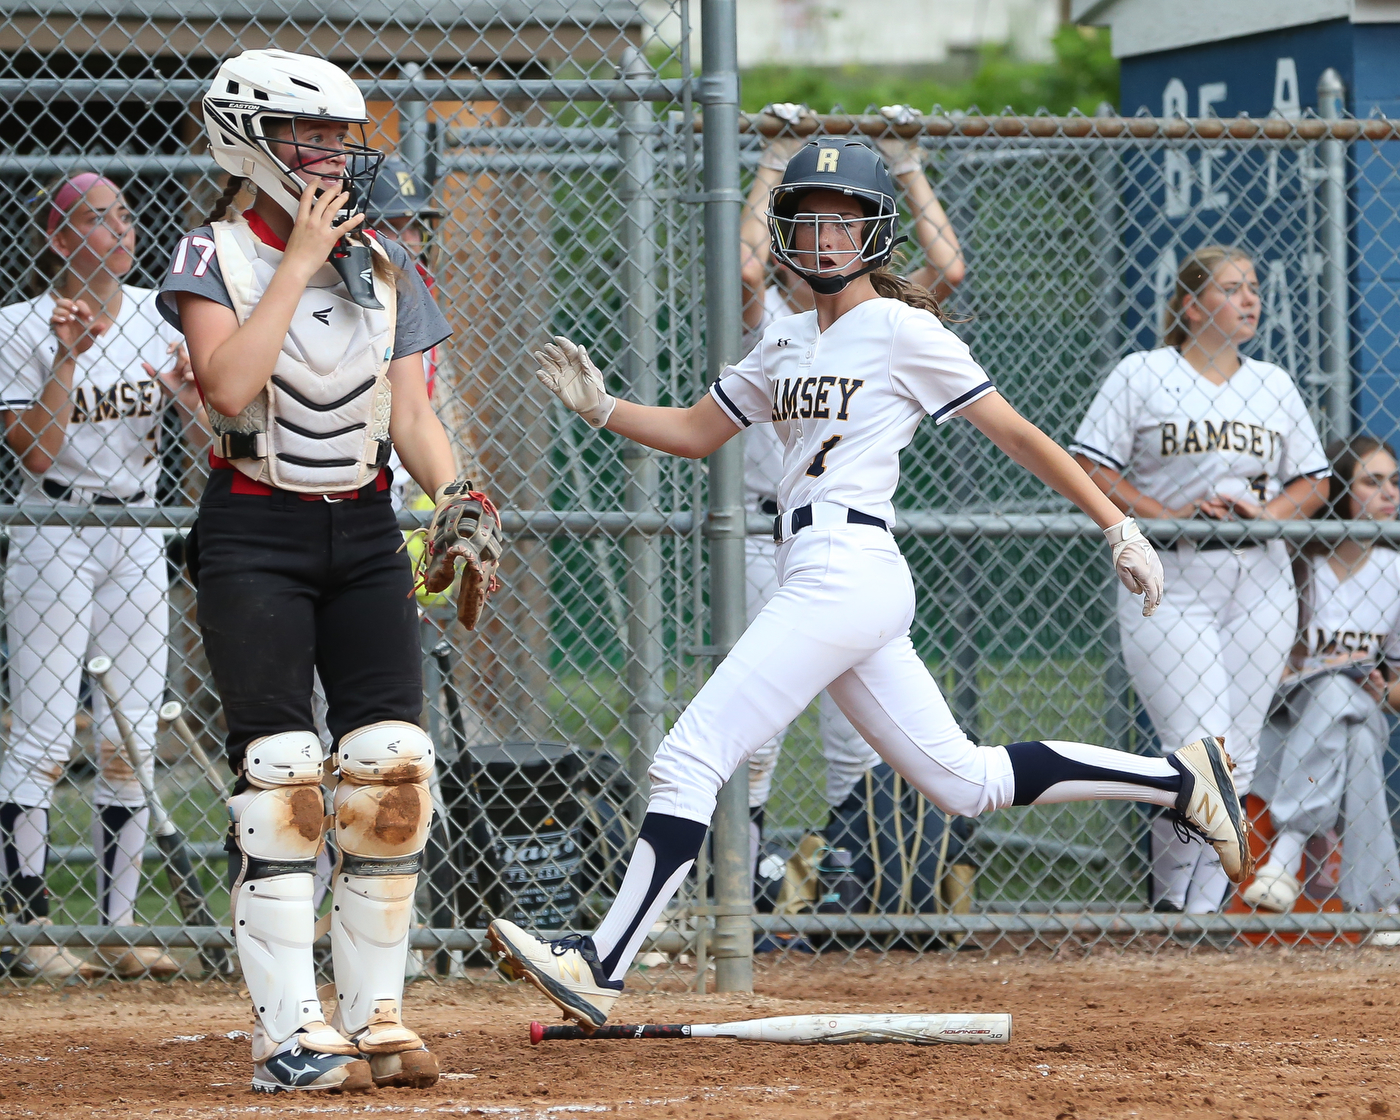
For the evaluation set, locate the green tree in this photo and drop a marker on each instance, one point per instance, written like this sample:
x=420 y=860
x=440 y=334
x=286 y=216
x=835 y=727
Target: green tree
x=1084 y=74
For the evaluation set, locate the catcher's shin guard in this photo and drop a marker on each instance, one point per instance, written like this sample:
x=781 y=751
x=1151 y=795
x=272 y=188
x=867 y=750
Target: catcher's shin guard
x=278 y=825
x=382 y=812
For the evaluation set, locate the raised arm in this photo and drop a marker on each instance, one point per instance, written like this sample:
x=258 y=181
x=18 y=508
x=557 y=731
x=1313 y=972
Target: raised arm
x=753 y=228
x=234 y=362
x=694 y=432
x=36 y=435
x=943 y=268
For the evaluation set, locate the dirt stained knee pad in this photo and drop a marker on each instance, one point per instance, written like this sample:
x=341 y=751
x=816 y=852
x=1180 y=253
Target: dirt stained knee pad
x=284 y=823
x=381 y=822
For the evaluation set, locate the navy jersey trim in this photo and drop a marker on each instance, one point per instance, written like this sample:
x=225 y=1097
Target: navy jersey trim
x=725 y=403
x=963 y=401
x=1103 y=458
x=1319 y=474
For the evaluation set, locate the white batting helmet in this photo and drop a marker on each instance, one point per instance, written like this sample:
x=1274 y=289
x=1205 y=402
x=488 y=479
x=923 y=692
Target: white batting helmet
x=265 y=85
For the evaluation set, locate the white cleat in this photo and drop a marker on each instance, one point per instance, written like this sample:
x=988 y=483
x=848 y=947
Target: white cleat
x=566 y=971
x=1209 y=805
x=1274 y=888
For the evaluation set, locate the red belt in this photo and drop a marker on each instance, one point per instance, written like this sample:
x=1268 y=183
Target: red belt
x=242 y=484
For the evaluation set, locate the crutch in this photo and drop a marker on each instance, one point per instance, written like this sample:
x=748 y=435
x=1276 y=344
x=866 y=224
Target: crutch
x=179 y=868
x=172 y=714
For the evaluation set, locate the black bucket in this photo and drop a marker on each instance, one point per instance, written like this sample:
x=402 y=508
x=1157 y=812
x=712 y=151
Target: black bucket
x=516 y=811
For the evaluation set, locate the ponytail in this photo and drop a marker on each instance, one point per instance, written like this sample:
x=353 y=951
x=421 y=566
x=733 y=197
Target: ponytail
x=888 y=285
x=220 y=212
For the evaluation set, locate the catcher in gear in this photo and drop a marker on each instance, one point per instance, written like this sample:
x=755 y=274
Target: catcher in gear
x=299 y=566
x=465 y=526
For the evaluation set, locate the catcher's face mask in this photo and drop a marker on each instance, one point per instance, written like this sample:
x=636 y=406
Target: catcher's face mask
x=322 y=152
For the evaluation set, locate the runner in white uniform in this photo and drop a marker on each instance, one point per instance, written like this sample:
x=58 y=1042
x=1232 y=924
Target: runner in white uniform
x=1195 y=430
x=1322 y=758
x=766 y=299
x=86 y=371
x=846 y=384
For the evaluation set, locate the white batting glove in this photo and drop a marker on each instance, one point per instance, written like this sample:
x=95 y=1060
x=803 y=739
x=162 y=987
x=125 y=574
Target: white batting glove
x=780 y=149
x=1136 y=563
x=567 y=371
x=902 y=156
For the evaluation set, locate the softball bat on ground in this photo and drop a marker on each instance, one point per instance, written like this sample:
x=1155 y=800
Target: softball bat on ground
x=923 y=1030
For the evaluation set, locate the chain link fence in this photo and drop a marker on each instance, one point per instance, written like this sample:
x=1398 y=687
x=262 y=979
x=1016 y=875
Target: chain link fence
x=579 y=195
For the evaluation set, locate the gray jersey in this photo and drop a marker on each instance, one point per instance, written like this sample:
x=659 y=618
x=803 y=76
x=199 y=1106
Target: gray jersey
x=419 y=325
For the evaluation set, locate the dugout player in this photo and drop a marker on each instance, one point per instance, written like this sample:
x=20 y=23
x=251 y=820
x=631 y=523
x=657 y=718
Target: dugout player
x=300 y=329
x=848 y=382
x=775 y=292
x=1322 y=759
x=87 y=369
x=400 y=206
x=1194 y=429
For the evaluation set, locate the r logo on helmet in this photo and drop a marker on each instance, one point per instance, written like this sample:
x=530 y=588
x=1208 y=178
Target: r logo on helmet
x=406 y=185
x=826 y=159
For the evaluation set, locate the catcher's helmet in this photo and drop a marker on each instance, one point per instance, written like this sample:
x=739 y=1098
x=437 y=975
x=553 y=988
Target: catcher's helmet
x=261 y=86
x=842 y=164
x=399 y=192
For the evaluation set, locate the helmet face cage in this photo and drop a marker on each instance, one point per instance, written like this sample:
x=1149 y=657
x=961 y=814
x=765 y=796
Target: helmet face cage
x=872 y=249
x=361 y=161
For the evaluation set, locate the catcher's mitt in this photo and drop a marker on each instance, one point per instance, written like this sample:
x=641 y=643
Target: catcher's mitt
x=465 y=524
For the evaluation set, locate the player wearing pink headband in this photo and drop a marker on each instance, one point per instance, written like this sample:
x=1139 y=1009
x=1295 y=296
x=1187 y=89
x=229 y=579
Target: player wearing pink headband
x=81 y=401
x=71 y=191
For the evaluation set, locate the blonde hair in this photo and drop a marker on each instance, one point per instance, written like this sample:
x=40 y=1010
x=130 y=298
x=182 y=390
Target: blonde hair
x=1192 y=278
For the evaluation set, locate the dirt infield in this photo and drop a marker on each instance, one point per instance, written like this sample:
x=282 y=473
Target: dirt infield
x=1251 y=1034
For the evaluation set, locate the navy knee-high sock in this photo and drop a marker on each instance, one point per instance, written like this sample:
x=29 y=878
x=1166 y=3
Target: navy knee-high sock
x=1054 y=771
x=23 y=853
x=666 y=851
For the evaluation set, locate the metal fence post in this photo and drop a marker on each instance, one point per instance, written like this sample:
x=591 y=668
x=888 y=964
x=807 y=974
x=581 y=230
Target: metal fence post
x=719 y=93
x=413 y=124
x=646 y=654
x=1336 y=362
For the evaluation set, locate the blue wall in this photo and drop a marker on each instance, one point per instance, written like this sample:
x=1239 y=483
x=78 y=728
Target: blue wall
x=1249 y=75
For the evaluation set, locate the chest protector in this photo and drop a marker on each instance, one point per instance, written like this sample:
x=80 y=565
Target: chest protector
x=321 y=424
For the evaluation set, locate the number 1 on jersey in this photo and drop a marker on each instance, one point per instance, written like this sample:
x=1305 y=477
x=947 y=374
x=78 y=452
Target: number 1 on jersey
x=818 y=464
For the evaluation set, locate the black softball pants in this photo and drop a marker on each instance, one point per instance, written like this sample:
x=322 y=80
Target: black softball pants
x=287 y=586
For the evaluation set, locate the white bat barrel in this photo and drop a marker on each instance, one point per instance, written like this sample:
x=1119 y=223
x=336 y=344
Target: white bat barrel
x=918 y=1029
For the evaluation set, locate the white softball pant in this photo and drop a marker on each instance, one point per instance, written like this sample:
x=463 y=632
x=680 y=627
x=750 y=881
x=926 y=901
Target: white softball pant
x=70 y=595
x=840 y=621
x=847 y=755
x=1208 y=661
x=1322 y=762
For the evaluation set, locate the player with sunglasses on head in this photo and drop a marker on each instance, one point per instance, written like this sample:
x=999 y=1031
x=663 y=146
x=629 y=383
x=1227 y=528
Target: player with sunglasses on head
x=847 y=383
x=87 y=370
x=307 y=339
